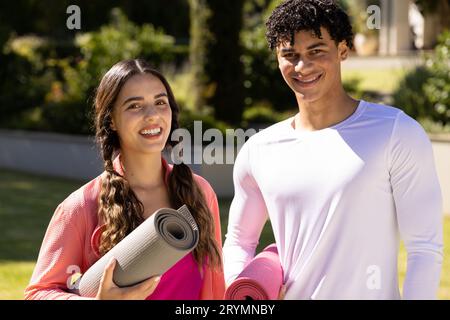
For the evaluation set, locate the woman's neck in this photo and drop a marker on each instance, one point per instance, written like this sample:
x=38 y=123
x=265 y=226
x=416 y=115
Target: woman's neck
x=143 y=171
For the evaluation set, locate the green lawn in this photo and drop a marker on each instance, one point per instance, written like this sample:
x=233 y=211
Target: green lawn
x=377 y=80
x=27 y=203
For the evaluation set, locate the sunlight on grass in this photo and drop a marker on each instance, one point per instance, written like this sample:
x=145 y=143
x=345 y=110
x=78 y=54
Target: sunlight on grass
x=14 y=277
x=384 y=80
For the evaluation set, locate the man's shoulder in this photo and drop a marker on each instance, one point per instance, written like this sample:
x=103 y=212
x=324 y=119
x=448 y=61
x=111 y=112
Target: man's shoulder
x=400 y=119
x=377 y=110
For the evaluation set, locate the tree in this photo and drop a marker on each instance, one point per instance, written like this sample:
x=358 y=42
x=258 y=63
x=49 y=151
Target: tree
x=215 y=55
x=439 y=7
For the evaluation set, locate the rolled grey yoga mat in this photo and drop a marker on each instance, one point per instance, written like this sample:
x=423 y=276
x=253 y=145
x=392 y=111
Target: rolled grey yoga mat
x=151 y=249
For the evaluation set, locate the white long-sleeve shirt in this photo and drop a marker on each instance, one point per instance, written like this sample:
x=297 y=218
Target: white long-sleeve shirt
x=339 y=199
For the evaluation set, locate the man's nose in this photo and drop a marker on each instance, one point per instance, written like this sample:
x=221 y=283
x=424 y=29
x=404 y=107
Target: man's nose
x=302 y=66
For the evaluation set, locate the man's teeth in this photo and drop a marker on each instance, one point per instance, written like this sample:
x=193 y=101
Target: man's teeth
x=151 y=131
x=308 y=81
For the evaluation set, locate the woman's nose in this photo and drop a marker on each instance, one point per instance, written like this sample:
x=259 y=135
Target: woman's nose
x=150 y=111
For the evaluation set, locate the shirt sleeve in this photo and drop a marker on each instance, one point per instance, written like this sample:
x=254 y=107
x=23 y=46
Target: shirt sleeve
x=247 y=216
x=418 y=203
x=60 y=256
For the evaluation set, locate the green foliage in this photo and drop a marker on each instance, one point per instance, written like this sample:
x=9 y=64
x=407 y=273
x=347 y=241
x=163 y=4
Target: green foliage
x=262 y=79
x=187 y=118
x=433 y=126
x=424 y=92
x=410 y=96
x=25 y=79
x=215 y=54
x=55 y=94
x=352 y=87
x=437 y=87
x=121 y=39
x=263 y=114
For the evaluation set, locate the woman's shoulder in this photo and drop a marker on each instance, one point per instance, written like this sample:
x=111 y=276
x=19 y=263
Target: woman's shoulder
x=84 y=200
x=202 y=183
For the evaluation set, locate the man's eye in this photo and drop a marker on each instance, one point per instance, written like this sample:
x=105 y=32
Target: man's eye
x=314 y=52
x=289 y=55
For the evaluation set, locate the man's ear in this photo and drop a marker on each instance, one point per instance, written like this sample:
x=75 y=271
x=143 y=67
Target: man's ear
x=343 y=50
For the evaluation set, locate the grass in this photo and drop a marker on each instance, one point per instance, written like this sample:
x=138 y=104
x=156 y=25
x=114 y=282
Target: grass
x=27 y=203
x=375 y=80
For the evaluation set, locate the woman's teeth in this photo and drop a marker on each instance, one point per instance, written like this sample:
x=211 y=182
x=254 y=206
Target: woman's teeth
x=151 y=132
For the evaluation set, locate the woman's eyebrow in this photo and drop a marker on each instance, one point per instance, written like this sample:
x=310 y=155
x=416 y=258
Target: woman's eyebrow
x=132 y=99
x=138 y=98
x=159 y=95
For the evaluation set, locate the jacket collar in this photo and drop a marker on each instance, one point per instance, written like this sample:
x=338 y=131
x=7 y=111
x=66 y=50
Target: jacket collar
x=118 y=167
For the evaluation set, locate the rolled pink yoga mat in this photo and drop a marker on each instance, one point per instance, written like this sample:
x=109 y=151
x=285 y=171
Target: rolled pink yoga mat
x=261 y=279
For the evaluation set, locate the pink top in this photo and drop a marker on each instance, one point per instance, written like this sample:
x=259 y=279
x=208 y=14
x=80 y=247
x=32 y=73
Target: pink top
x=181 y=282
x=70 y=245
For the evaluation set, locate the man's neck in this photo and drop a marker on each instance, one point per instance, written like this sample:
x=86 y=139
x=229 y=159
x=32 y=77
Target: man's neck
x=324 y=113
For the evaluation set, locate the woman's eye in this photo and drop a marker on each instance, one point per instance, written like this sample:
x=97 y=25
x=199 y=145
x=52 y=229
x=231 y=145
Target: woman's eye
x=161 y=103
x=134 y=106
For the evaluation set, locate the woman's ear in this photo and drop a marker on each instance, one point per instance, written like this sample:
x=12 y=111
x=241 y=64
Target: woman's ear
x=113 y=126
x=343 y=50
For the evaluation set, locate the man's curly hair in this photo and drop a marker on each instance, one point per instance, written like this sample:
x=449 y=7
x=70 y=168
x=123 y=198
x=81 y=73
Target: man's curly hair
x=292 y=16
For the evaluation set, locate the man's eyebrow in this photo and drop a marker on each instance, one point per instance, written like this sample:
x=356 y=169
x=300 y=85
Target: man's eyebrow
x=286 y=50
x=316 y=45
x=313 y=46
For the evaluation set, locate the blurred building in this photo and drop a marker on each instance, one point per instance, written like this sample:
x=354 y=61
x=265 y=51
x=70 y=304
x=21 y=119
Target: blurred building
x=405 y=28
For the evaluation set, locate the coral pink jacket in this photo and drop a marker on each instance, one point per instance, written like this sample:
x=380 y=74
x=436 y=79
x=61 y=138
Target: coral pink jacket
x=67 y=246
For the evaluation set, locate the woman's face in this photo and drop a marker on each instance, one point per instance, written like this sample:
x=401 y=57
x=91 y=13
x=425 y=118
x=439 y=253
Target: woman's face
x=142 y=115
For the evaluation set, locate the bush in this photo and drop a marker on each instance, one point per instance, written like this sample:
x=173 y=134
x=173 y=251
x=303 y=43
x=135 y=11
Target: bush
x=410 y=97
x=425 y=91
x=262 y=79
x=437 y=87
x=47 y=92
x=263 y=114
x=26 y=79
x=187 y=118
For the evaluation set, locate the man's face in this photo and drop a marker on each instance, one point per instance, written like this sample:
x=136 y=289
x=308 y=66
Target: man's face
x=311 y=67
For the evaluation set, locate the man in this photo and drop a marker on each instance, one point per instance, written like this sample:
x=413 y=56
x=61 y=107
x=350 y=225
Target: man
x=342 y=181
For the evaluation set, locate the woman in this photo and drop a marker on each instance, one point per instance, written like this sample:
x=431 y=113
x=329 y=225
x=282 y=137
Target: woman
x=135 y=114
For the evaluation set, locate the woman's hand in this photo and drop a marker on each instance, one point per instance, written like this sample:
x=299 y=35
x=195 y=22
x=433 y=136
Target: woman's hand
x=108 y=290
